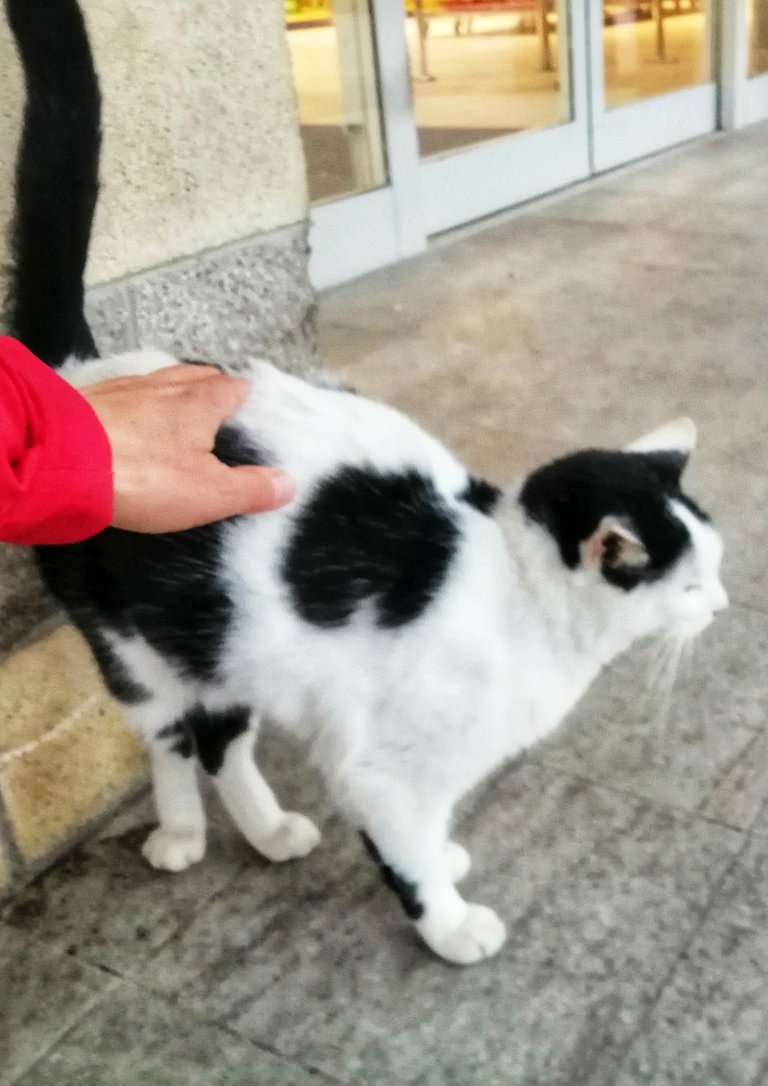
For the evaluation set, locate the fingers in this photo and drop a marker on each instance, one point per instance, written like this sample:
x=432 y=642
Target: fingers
x=223 y=396
x=264 y=488
x=218 y=493
x=186 y=372
x=254 y=490
x=191 y=373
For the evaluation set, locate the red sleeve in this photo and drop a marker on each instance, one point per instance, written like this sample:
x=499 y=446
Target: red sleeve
x=55 y=459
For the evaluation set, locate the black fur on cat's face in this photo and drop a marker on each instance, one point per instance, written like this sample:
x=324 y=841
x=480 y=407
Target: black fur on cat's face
x=573 y=496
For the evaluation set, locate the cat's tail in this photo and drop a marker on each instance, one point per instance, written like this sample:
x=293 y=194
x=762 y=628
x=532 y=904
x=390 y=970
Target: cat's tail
x=56 y=179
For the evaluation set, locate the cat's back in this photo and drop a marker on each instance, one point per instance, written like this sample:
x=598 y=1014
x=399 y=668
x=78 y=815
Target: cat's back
x=313 y=431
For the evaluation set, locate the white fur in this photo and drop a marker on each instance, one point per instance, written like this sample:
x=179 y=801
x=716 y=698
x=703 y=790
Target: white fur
x=404 y=721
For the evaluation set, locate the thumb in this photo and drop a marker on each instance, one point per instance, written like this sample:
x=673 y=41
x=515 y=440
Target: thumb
x=260 y=489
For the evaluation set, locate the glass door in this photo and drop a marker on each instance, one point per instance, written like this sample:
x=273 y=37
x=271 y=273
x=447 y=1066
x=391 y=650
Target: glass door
x=653 y=76
x=499 y=106
x=745 y=75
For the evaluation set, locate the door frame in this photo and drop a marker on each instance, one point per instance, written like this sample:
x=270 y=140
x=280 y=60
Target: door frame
x=744 y=98
x=623 y=134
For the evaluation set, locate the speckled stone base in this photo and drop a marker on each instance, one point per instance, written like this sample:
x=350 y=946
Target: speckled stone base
x=250 y=299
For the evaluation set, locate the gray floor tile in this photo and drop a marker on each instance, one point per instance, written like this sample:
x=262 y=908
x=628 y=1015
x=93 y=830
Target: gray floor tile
x=524 y=383
x=761 y=821
x=708 y=1028
x=737 y=502
x=43 y=993
x=134 y=1038
x=223 y=946
x=104 y=903
x=622 y=734
x=600 y=892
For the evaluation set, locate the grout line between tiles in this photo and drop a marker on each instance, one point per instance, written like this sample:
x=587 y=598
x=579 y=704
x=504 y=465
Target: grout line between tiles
x=55 y=732
x=89 y=1007
x=647 y=1015
x=640 y=797
x=232 y=1032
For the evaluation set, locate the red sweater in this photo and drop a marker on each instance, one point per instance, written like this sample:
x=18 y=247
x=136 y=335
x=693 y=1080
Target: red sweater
x=55 y=458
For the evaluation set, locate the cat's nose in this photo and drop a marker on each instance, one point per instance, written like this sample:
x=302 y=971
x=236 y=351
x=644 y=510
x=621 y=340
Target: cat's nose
x=720 y=599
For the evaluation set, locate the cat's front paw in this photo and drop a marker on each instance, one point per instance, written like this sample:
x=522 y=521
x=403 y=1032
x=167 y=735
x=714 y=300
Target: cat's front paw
x=480 y=935
x=169 y=850
x=295 y=836
x=459 y=861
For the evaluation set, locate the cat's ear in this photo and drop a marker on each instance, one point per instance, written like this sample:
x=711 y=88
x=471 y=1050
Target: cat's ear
x=613 y=545
x=678 y=436
x=668 y=448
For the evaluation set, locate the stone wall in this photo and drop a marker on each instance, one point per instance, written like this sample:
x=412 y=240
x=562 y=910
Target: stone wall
x=199 y=247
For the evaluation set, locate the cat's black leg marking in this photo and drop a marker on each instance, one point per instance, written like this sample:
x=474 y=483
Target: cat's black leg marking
x=368 y=535
x=406 y=891
x=481 y=495
x=213 y=731
x=182 y=741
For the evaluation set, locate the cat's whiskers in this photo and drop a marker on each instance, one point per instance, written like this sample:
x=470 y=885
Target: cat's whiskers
x=673 y=649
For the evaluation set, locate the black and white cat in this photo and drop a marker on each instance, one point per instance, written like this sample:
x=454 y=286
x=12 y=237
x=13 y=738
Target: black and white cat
x=414 y=625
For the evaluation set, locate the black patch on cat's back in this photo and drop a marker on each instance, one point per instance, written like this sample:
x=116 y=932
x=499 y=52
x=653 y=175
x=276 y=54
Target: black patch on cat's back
x=235 y=448
x=572 y=495
x=406 y=891
x=481 y=495
x=363 y=535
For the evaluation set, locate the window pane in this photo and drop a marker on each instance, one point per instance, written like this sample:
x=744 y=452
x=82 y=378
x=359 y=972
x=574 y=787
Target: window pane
x=331 y=43
x=757 y=23
x=653 y=47
x=481 y=69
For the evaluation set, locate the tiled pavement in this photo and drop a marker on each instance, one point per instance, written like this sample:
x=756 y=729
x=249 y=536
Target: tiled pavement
x=628 y=855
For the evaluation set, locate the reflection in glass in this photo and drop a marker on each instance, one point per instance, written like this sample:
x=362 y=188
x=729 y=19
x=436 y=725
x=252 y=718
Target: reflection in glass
x=653 y=47
x=331 y=44
x=481 y=69
x=757 y=28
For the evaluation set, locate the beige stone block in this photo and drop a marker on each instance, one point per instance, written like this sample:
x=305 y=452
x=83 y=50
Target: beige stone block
x=56 y=786
x=42 y=685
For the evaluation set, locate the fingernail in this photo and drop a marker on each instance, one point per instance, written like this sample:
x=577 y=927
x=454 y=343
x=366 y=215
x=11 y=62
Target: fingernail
x=283 y=487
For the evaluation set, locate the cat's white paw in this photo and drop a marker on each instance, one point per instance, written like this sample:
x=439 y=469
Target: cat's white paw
x=295 y=836
x=169 y=850
x=480 y=935
x=459 y=861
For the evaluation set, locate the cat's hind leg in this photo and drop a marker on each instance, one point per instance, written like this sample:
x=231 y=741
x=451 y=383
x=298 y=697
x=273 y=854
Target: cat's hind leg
x=225 y=739
x=179 y=839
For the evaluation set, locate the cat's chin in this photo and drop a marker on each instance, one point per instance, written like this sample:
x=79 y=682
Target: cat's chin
x=691 y=628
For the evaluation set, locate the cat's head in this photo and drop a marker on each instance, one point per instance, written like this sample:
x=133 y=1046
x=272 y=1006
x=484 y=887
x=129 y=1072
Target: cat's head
x=622 y=519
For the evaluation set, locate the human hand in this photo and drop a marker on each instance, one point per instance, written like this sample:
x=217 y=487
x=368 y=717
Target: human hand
x=162 y=428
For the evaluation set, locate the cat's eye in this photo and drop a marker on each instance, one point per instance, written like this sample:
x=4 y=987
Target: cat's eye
x=692 y=588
